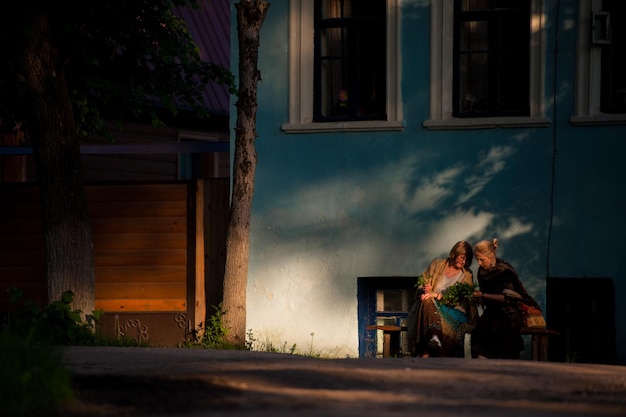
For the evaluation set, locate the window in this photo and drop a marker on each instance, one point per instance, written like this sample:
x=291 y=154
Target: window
x=601 y=63
x=487 y=64
x=582 y=310
x=344 y=66
x=491 y=49
x=349 y=59
x=384 y=301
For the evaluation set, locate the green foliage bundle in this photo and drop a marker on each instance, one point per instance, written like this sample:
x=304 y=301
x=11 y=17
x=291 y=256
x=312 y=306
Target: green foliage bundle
x=54 y=324
x=457 y=294
x=420 y=281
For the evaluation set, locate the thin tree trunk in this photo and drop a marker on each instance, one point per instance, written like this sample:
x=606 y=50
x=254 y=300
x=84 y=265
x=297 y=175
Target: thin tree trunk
x=250 y=16
x=52 y=132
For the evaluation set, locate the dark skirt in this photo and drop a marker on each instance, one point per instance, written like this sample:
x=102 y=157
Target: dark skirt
x=495 y=338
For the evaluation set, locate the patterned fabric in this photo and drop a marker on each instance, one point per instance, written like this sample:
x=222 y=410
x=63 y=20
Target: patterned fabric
x=430 y=317
x=496 y=334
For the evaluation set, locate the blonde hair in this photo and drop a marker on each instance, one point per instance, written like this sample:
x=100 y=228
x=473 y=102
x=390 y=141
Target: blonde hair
x=486 y=247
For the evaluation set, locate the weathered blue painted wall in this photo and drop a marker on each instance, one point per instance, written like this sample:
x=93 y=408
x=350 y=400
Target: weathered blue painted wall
x=329 y=208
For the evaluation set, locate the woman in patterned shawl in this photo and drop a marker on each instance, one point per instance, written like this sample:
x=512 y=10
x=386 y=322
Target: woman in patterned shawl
x=497 y=333
x=439 y=329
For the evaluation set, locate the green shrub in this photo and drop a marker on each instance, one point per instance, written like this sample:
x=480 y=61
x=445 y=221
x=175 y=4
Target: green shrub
x=210 y=336
x=54 y=324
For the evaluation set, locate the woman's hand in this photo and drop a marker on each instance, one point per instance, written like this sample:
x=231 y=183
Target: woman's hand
x=426 y=292
x=435 y=295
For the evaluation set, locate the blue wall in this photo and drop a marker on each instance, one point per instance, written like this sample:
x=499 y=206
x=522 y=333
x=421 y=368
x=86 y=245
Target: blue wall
x=332 y=207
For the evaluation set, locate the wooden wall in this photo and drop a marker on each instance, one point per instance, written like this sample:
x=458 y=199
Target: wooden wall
x=22 y=252
x=140 y=246
x=145 y=240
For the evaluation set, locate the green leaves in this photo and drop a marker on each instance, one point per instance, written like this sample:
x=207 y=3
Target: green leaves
x=120 y=60
x=457 y=294
x=420 y=281
x=56 y=323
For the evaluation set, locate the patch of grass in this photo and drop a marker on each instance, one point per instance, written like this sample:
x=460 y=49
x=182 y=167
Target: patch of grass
x=210 y=336
x=33 y=381
x=254 y=344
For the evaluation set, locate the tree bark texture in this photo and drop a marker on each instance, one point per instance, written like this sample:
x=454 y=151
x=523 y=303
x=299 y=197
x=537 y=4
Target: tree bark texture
x=250 y=17
x=51 y=129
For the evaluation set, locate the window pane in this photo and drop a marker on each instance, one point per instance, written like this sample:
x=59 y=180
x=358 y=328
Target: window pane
x=474 y=91
x=350 y=60
x=491 y=59
x=513 y=67
x=334 y=96
x=474 y=36
x=333 y=42
x=475 y=4
x=336 y=8
x=370 y=69
x=613 y=73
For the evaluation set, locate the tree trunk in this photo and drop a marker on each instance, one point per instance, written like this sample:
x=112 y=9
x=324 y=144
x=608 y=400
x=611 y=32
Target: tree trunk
x=250 y=16
x=51 y=129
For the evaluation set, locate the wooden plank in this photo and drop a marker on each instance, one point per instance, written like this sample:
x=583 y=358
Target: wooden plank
x=121 y=305
x=22 y=258
x=22 y=242
x=5 y=305
x=15 y=226
x=144 y=257
x=34 y=291
x=145 y=273
x=19 y=275
x=140 y=246
x=141 y=290
x=19 y=209
x=110 y=241
x=153 y=166
x=15 y=192
x=151 y=192
x=136 y=148
x=198 y=301
x=108 y=209
x=217 y=212
x=140 y=225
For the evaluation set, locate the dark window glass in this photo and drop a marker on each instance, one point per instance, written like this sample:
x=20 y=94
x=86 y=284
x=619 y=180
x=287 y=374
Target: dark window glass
x=613 y=61
x=350 y=60
x=491 y=58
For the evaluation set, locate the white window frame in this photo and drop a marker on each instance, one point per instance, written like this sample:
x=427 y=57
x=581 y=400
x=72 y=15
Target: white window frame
x=588 y=73
x=301 y=28
x=441 y=69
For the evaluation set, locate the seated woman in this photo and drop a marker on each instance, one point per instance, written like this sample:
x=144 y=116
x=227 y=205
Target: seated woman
x=439 y=328
x=497 y=332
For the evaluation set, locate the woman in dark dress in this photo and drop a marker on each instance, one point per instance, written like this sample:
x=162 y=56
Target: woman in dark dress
x=497 y=332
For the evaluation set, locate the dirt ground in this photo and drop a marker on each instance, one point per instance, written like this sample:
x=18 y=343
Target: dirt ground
x=138 y=382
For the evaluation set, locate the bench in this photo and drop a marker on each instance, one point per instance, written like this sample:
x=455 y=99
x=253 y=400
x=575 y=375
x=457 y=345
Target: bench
x=391 y=339
x=539 y=341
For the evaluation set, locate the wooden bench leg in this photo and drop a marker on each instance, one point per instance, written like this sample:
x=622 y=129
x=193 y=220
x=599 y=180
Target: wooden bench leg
x=386 y=344
x=540 y=347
